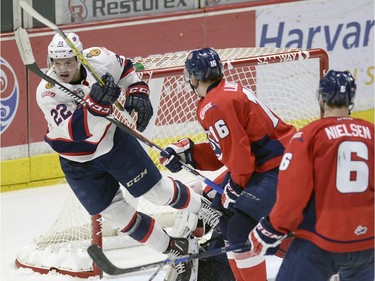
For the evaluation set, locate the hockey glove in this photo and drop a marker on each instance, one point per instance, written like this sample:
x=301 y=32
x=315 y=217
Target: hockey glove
x=101 y=97
x=137 y=98
x=230 y=193
x=264 y=239
x=173 y=153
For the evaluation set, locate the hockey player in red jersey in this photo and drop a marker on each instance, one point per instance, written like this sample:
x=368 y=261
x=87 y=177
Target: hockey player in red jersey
x=325 y=194
x=246 y=137
x=96 y=156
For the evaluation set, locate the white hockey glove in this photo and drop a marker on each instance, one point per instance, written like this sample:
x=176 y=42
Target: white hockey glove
x=230 y=193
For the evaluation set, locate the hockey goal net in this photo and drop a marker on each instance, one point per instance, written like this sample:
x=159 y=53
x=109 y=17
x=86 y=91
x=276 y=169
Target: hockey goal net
x=285 y=79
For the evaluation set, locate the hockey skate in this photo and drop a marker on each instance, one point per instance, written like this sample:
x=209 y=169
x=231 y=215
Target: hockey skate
x=209 y=215
x=183 y=271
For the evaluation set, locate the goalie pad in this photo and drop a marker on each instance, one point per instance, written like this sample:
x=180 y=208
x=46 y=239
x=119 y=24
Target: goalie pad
x=184 y=224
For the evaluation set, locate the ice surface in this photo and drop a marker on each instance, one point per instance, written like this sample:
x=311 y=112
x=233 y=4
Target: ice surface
x=26 y=214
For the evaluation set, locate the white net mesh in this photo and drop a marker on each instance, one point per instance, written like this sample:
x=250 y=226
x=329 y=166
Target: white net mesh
x=285 y=79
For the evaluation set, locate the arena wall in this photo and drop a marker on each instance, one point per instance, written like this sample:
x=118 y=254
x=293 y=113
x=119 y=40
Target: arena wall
x=345 y=30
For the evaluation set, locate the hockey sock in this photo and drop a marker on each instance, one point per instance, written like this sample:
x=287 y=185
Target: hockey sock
x=185 y=199
x=235 y=270
x=147 y=231
x=250 y=267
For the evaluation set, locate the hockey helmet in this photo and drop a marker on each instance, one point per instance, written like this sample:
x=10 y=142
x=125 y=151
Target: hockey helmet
x=203 y=64
x=337 y=88
x=59 y=49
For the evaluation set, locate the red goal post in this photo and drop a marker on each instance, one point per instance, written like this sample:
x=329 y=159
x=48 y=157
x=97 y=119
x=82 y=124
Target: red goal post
x=285 y=79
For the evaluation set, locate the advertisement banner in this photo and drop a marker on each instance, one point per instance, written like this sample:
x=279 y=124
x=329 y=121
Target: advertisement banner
x=207 y=3
x=347 y=33
x=344 y=28
x=86 y=11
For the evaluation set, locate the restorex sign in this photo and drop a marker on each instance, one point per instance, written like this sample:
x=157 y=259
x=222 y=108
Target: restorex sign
x=86 y=11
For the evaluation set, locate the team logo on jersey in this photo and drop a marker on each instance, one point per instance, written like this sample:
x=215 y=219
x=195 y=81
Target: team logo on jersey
x=214 y=145
x=208 y=106
x=10 y=92
x=297 y=136
x=79 y=92
x=360 y=230
x=48 y=86
x=93 y=53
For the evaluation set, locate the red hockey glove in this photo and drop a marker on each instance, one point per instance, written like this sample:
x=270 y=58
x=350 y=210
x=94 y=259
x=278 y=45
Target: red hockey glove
x=173 y=153
x=101 y=97
x=137 y=98
x=264 y=239
x=230 y=194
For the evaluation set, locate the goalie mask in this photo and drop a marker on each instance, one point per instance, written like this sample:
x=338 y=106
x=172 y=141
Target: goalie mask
x=59 y=49
x=203 y=64
x=337 y=88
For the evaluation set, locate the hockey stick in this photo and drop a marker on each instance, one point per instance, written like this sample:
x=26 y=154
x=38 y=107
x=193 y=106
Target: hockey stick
x=108 y=267
x=31 y=11
x=125 y=114
x=26 y=53
x=82 y=59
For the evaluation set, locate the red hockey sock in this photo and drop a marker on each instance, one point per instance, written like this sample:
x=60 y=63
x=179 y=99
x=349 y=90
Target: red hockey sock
x=235 y=270
x=252 y=268
x=254 y=273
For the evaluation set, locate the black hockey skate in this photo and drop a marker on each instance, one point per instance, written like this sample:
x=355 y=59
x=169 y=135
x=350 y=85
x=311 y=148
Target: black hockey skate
x=181 y=271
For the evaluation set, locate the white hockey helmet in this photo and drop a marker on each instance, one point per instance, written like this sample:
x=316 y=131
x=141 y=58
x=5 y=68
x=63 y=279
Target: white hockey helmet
x=59 y=49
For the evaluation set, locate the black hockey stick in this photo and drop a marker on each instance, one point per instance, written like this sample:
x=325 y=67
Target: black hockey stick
x=108 y=267
x=26 y=53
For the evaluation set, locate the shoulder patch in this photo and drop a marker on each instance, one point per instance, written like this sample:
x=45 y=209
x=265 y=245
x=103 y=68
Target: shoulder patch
x=93 y=53
x=48 y=94
x=48 y=86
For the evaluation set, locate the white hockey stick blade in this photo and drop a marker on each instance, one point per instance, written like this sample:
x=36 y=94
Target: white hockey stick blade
x=24 y=46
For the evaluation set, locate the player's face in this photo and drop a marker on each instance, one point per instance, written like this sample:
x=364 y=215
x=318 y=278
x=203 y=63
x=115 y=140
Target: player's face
x=321 y=105
x=190 y=79
x=66 y=69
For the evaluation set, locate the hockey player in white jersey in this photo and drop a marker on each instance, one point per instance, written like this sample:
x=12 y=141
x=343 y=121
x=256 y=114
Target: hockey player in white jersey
x=96 y=156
